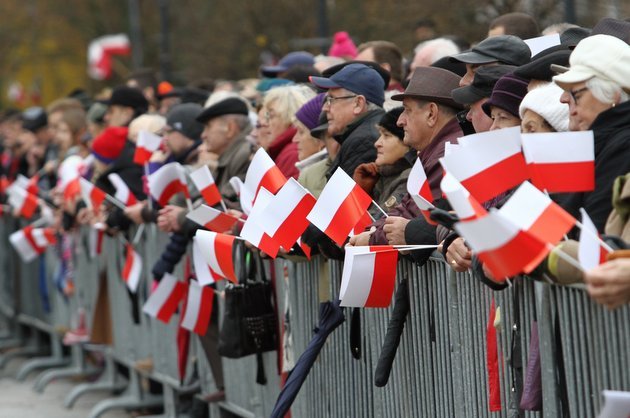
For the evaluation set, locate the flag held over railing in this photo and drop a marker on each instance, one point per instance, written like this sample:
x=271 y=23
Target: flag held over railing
x=212 y=219
x=203 y=180
x=167 y=181
x=419 y=189
x=217 y=250
x=465 y=206
x=165 y=299
x=132 y=269
x=30 y=242
x=198 y=308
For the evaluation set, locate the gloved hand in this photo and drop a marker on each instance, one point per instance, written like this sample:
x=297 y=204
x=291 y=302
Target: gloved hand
x=366 y=175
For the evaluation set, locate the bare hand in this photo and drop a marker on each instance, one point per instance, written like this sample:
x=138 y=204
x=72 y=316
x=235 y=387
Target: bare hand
x=360 y=240
x=609 y=284
x=394 y=229
x=134 y=212
x=167 y=218
x=459 y=256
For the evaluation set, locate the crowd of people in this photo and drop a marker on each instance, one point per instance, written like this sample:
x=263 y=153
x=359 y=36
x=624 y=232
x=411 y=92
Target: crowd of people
x=368 y=110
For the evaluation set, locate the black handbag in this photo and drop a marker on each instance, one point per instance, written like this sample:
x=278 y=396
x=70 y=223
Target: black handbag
x=249 y=323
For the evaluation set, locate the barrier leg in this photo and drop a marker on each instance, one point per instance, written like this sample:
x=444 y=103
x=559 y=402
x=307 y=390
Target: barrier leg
x=34 y=347
x=109 y=380
x=55 y=360
x=78 y=368
x=133 y=398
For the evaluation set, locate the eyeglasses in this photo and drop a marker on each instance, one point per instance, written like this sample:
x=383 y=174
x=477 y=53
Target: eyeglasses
x=574 y=93
x=330 y=99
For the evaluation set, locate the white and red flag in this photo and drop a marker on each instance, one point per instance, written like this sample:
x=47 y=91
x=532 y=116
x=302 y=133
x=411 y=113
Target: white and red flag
x=561 y=162
x=167 y=181
x=204 y=273
x=203 y=180
x=217 y=250
x=490 y=164
x=341 y=205
x=212 y=219
x=30 y=184
x=146 y=145
x=285 y=216
x=97 y=233
x=198 y=308
x=68 y=176
x=164 y=300
x=465 y=206
x=30 y=242
x=420 y=191
x=123 y=192
x=369 y=276
x=245 y=197
x=21 y=200
x=533 y=211
x=263 y=172
x=365 y=221
x=92 y=195
x=100 y=53
x=591 y=253
x=253 y=230
x=505 y=249
x=132 y=269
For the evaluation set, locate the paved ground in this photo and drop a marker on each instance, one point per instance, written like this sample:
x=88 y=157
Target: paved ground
x=19 y=400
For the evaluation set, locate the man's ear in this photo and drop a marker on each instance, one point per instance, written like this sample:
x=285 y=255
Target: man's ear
x=432 y=114
x=360 y=105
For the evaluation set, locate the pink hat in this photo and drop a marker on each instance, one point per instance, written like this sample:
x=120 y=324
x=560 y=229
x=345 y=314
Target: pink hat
x=342 y=46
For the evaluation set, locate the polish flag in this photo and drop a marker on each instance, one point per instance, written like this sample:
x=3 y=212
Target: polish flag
x=92 y=195
x=132 y=269
x=365 y=221
x=340 y=207
x=369 y=276
x=68 y=177
x=285 y=216
x=263 y=172
x=533 y=211
x=23 y=201
x=591 y=253
x=465 y=206
x=30 y=184
x=166 y=182
x=203 y=180
x=198 y=308
x=30 y=242
x=204 y=273
x=212 y=219
x=245 y=196
x=100 y=53
x=146 y=145
x=253 y=230
x=164 y=300
x=97 y=233
x=489 y=165
x=420 y=191
x=505 y=249
x=561 y=162
x=306 y=249
x=123 y=193
x=217 y=250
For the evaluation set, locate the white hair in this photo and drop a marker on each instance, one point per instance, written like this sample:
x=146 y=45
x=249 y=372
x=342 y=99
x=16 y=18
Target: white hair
x=288 y=99
x=427 y=52
x=606 y=91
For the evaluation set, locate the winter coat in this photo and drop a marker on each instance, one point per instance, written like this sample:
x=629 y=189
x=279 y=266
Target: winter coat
x=391 y=186
x=283 y=151
x=313 y=177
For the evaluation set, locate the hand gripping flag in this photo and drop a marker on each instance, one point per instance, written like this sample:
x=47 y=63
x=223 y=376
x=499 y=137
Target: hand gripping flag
x=533 y=211
x=166 y=182
x=489 y=164
x=30 y=242
x=591 y=253
x=123 y=193
x=164 y=300
x=198 y=308
x=465 y=206
x=146 y=145
x=24 y=202
x=263 y=172
x=93 y=196
x=369 y=276
x=340 y=207
x=252 y=229
x=203 y=180
x=420 y=191
x=502 y=246
x=212 y=219
x=132 y=269
x=217 y=250
x=561 y=162
x=285 y=216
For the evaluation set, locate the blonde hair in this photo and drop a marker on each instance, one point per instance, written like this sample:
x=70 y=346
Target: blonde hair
x=288 y=100
x=147 y=122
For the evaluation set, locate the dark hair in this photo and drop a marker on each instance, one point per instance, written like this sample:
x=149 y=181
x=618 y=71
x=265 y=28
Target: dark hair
x=145 y=77
x=386 y=52
x=518 y=24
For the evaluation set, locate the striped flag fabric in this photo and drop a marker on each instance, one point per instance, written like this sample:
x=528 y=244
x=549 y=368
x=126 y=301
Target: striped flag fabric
x=263 y=172
x=21 y=200
x=203 y=272
x=100 y=53
x=369 y=276
x=146 y=145
x=167 y=181
x=165 y=299
x=198 y=308
x=212 y=219
x=123 y=193
x=489 y=164
x=217 y=250
x=465 y=206
x=92 y=195
x=561 y=162
x=252 y=229
x=132 y=269
x=591 y=253
x=30 y=242
x=203 y=180
x=420 y=191
x=340 y=206
x=245 y=197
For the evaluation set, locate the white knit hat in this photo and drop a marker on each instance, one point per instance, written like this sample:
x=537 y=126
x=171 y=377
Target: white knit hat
x=545 y=100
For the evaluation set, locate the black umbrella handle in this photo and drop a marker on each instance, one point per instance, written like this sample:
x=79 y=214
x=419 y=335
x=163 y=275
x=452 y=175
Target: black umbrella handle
x=355 y=333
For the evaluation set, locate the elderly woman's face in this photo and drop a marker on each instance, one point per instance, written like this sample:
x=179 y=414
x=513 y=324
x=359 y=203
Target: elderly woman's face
x=533 y=123
x=502 y=119
x=583 y=106
x=277 y=124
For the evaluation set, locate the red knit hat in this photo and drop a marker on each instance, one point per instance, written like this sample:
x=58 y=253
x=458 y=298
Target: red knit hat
x=342 y=46
x=109 y=144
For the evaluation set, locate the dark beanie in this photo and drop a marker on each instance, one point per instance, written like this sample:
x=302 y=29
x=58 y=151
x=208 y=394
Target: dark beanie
x=388 y=122
x=507 y=94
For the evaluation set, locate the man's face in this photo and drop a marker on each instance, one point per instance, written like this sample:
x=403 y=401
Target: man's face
x=480 y=121
x=339 y=106
x=175 y=141
x=413 y=120
x=118 y=115
x=215 y=135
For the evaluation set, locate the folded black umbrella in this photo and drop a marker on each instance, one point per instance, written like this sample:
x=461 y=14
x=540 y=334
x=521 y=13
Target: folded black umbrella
x=330 y=317
x=394 y=332
x=355 y=333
